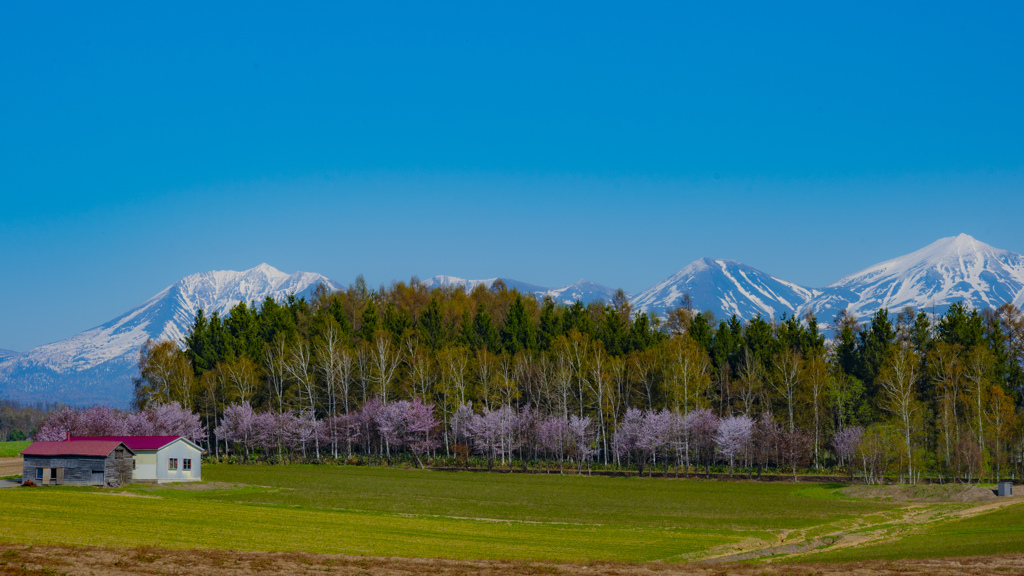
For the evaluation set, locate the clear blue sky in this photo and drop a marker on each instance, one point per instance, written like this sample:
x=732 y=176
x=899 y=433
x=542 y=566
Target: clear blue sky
x=615 y=142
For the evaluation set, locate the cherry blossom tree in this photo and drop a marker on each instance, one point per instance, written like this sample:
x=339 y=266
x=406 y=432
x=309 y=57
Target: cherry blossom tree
x=733 y=437
x=553 y=435
x=58 y=425
x=485 y=431
x=766 y=441
x=795 y=447
x=238 y=426
x=628 y=439
x=459 y=424
x=173 y=420
x=273 y=431
x=421 y=429
x=845 y=443
x=702 y=425
x=583 y=436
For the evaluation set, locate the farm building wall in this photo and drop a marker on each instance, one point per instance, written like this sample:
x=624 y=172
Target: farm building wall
x=81 y=470
x=145 y=465
x=179 y=450
x=118 y=469
x=78 y=470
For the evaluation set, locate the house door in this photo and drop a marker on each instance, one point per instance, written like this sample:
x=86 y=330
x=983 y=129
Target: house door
x=97 y=478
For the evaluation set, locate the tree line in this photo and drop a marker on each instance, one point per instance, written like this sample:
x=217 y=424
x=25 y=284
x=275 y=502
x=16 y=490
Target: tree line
x=905 y=394
x=19 y=421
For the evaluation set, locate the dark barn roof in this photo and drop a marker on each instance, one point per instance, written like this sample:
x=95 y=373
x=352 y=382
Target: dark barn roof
x=100 y=448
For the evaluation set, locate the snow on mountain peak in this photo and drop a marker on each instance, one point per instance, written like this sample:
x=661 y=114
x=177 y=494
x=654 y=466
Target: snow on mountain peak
x=725 y=287
x=112 y=349
x=957 y=268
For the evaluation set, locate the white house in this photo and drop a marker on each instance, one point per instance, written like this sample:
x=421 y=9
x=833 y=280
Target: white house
x=160 y=458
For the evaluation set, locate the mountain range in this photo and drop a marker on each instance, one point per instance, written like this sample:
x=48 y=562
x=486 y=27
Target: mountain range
x=96 y=366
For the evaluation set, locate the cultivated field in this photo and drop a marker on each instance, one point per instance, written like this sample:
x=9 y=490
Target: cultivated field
x=515 y=520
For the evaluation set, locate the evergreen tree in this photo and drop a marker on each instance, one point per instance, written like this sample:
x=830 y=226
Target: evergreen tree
x=517 y=333
x=614 y=331
x=485 y=334
x=431 y=325
x=726 y=346
x=550 y=324
x=576 y=317
x=958 y=326
x=642 y=336
x=760 y=339
x=876 y=343
x=397 y=321
x=197 y=343
x=369 y=322
x=700 y=330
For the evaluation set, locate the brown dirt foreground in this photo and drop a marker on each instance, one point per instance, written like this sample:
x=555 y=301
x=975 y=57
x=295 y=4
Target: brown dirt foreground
x=24 y=560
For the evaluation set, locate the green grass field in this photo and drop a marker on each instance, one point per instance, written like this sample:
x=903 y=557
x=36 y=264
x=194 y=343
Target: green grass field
x=12 y=449
x=463 y=515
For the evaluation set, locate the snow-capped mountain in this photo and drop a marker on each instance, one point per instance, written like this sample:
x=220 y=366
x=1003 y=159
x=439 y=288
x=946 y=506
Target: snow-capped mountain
x=582 y=290
x=725 y=287
x=958 y=268
x=97 y=365
x=8 y=354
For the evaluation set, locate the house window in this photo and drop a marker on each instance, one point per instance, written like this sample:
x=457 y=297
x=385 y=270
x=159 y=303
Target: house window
x=39 y=473
x=172 y=463
x=186 y=464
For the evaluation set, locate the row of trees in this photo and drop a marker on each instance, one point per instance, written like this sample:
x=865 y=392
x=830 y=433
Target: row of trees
x=945 y=387
x=162 y=420
x=384 y=432
x=19 y=421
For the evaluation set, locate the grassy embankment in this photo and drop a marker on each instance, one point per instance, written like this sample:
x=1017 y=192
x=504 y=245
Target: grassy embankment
x=996 y=532
x=413 y=513
x=12 y=449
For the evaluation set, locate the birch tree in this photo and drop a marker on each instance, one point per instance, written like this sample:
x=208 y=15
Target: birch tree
x=386 y=359
x=788 y=368
x=897 y=379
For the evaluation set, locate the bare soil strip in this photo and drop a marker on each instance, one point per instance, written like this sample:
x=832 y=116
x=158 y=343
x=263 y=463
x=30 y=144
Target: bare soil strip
x=10 y=466
x=51 y=560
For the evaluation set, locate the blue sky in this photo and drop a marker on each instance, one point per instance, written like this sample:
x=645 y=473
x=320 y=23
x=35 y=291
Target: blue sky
x=617 y=143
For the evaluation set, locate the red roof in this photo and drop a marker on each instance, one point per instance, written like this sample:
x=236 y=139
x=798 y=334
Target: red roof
x=133 y=442
x=101 y=448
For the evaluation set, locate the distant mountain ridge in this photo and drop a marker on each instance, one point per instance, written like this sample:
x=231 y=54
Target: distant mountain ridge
x=96 y=366
x=99 y=363
x=582 y=290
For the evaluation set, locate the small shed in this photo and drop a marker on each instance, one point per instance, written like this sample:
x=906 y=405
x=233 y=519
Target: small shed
x=95 y=463
x=1004 y=488
x=160 y=458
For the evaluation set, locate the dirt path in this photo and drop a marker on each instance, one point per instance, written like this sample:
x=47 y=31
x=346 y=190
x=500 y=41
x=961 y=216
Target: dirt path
x=10 y=466
x=48 y=560
x=891 y=525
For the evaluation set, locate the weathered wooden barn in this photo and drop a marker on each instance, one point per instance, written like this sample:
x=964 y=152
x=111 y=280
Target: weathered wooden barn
x=91 y=463
x=159 y=458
